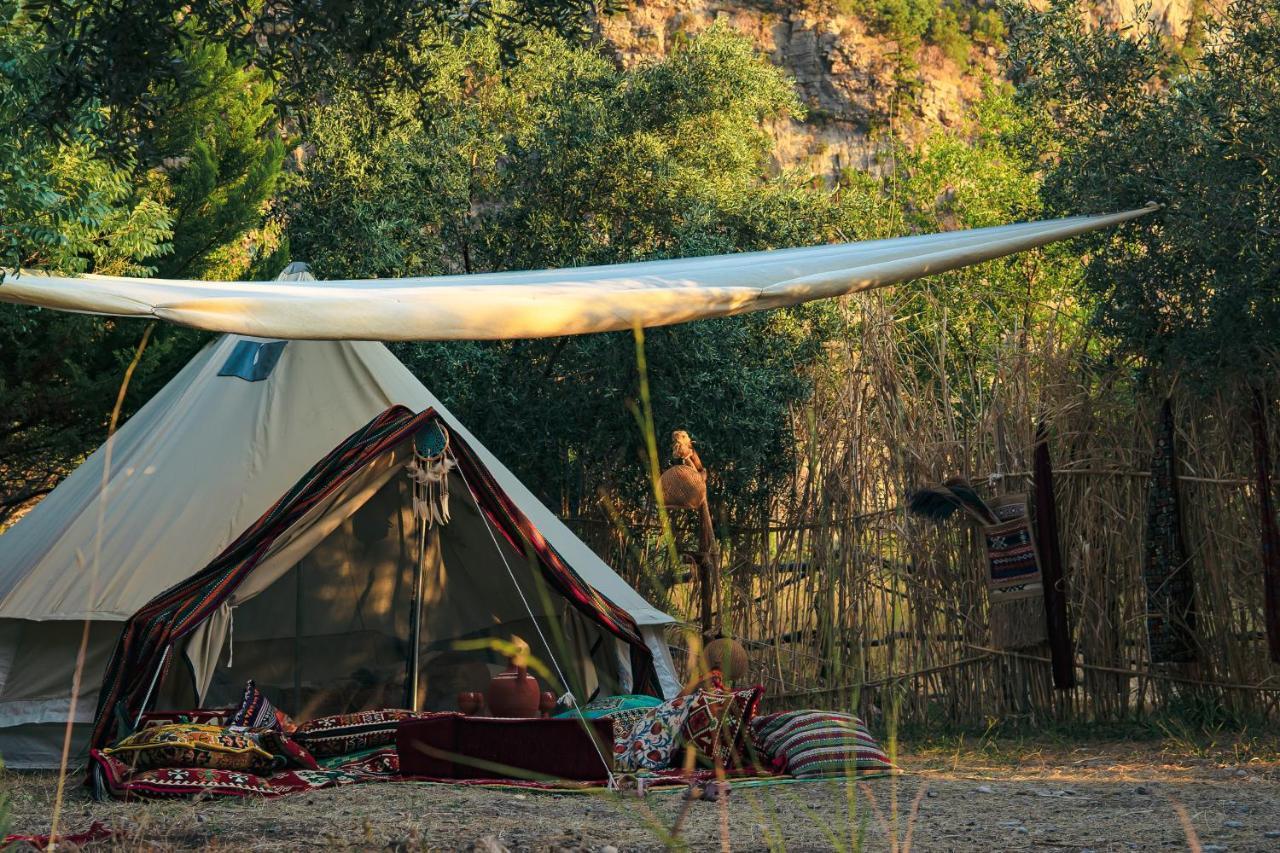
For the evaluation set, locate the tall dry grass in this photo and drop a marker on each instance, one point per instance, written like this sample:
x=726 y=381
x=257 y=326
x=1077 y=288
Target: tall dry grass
x=845 y=599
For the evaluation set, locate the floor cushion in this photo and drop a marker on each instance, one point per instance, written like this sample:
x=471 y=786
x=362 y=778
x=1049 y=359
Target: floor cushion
x=195 y=745
x=820 y=743
x=282 y=745
x=256 y=711
x=203 y=716
x=341 y=734
x=653 y=738
x=609 y=706
x=456 y=746
x=717 y=725
x=622 y=710
x=111 y=777
x=186 y=781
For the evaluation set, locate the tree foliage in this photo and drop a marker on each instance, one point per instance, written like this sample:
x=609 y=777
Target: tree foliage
x=216 y=147
x=561 y=160
x=1192 y=291
x=116 y=53
x=66 y=205
x=973 y=177
x=62 y=204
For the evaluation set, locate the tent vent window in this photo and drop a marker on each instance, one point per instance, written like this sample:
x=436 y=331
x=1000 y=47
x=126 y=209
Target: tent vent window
x=253 y=361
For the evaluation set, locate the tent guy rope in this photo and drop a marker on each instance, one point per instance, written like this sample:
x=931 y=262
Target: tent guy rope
x=544 y=303
x=572 y=700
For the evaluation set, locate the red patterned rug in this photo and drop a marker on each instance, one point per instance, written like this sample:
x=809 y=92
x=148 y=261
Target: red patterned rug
x=113 y=777
x=97 y=831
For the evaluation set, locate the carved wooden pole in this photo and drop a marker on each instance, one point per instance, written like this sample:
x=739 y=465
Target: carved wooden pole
x=684 y=486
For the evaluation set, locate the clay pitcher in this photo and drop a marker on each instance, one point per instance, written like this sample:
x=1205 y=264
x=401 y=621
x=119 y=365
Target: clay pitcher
x=470 y=702
x=513 y=693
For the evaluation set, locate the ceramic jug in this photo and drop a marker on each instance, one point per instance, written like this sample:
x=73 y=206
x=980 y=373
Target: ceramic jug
x=513 y=693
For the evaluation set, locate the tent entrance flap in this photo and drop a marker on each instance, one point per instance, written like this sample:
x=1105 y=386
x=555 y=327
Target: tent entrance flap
x=317 y=594
x=332 y=634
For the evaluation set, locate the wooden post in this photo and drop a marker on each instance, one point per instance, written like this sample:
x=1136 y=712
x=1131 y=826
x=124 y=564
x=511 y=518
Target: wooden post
x=415 y=621
x=1267 y=517
x=684 y=486
x=1055 y=583
x=708 y=570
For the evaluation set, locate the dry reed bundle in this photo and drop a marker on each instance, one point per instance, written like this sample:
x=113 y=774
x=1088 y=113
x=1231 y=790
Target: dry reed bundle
x=844 y=599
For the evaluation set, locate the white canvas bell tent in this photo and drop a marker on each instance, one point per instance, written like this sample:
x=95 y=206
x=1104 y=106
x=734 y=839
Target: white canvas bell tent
x=322 y=624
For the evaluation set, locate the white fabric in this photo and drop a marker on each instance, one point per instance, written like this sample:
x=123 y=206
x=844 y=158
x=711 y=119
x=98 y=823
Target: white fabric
x=199 y=463
x=204 y=459
x=206 y=642
x=668 y=679
x=622 y=657
x=546 y=302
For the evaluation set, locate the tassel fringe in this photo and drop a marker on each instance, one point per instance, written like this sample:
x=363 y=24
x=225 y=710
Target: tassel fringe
x=430 y=477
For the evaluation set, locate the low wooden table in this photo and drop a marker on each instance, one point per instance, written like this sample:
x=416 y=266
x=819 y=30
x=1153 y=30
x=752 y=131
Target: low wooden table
x=456 y=746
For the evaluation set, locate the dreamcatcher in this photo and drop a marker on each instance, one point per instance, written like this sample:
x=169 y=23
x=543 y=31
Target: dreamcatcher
x=429 y=472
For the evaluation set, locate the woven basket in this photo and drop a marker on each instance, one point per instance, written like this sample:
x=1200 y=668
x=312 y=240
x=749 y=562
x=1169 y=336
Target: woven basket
x=683 y=487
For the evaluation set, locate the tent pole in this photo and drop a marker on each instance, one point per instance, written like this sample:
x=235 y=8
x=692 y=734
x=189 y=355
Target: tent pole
x=415 y=620
x=142 y=709
x=297 y=637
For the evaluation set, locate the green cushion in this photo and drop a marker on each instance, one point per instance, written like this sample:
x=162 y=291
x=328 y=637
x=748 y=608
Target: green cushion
x=607 y=706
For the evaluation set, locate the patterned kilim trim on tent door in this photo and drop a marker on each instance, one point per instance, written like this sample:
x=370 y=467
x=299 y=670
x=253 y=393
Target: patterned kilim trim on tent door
x=141 y=660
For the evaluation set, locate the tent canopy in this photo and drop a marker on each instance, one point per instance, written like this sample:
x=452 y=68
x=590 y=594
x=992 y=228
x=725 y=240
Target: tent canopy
x=203 y=459
x=547 y=302
x=189 y=473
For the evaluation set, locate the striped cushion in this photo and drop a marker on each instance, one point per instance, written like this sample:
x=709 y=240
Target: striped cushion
x=820 y=743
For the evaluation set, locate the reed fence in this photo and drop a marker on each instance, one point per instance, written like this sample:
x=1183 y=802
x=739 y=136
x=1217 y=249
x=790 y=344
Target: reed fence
x=842 y=597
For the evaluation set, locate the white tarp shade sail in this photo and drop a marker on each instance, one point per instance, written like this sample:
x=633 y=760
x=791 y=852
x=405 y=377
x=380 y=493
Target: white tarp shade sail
x=492 y=306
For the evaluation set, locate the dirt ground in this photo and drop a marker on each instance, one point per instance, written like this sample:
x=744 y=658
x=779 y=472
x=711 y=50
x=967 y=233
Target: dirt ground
x=995 y=795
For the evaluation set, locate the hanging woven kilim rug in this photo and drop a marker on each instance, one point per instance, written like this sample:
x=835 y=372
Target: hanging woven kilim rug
x=1171 y=614
x=1015 y=590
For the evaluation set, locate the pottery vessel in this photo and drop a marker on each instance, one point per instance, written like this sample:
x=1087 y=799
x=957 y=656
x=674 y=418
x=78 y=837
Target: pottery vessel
x=727 y=655
x=547 y=703
x=513 y=693
x=470 y=702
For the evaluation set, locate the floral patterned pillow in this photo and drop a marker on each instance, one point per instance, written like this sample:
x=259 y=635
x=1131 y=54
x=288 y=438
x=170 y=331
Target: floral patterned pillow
x=652 y=739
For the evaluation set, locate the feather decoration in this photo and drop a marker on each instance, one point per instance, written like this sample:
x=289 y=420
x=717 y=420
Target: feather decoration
x=937 y=503
x=970 y=501
x=430 y=477
x=941 y=502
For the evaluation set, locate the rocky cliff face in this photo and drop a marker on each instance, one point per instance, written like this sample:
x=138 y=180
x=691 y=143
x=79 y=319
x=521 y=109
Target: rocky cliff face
x=844 y=71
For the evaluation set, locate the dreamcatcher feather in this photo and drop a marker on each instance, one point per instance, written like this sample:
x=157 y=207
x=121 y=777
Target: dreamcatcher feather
x=429 y=472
